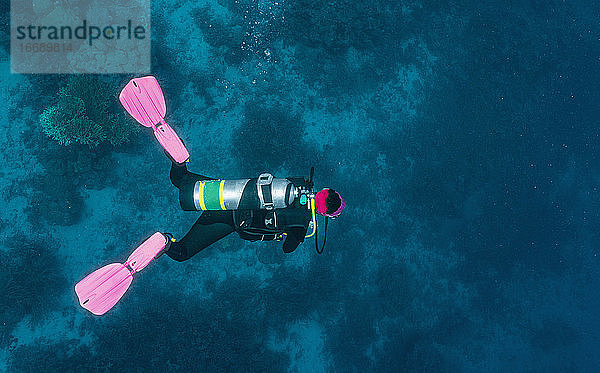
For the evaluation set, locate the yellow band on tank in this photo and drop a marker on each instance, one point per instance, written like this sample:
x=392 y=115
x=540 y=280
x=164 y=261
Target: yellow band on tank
x=201 y=197
x=221 y=195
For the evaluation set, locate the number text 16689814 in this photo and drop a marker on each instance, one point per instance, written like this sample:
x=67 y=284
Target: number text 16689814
x=45 y=47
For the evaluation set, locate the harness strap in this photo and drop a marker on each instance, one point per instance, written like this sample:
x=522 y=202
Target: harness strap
x=265 y=195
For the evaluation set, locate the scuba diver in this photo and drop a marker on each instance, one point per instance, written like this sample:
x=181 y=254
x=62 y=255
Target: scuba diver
x=258 y=209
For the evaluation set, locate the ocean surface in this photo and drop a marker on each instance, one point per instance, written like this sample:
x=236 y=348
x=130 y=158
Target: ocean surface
x=463 y=136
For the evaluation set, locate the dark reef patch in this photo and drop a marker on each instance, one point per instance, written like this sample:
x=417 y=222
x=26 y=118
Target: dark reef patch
x=54 y=200
x=207 y=335
x=270 y=137
x=226 y=39
x=31 y=282
x=554 y=335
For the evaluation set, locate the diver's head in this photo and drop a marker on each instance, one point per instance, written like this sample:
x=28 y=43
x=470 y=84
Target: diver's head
x=329 y=203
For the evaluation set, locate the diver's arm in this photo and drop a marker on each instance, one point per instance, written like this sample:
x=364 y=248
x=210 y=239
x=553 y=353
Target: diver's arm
x=296 y=219
x=294 y=237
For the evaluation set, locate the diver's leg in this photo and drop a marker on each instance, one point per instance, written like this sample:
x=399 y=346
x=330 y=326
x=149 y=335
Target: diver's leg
x=210 y=227
x=180 y=175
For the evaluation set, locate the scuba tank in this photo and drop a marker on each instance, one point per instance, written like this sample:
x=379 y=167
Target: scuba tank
x=263 y=193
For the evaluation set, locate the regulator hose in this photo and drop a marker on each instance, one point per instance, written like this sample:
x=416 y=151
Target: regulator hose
x=324 y=239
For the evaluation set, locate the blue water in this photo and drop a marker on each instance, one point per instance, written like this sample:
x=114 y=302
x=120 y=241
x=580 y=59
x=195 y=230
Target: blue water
x=464 y=138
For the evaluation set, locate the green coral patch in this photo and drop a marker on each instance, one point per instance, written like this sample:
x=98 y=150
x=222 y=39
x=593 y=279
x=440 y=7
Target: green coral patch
x=82 y=114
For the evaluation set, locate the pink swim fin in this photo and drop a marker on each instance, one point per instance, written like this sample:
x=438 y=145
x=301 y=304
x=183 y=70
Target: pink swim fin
x=99 y=291
x=144 y=100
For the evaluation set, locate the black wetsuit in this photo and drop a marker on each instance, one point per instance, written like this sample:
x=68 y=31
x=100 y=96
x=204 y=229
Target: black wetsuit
x=251 y=225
